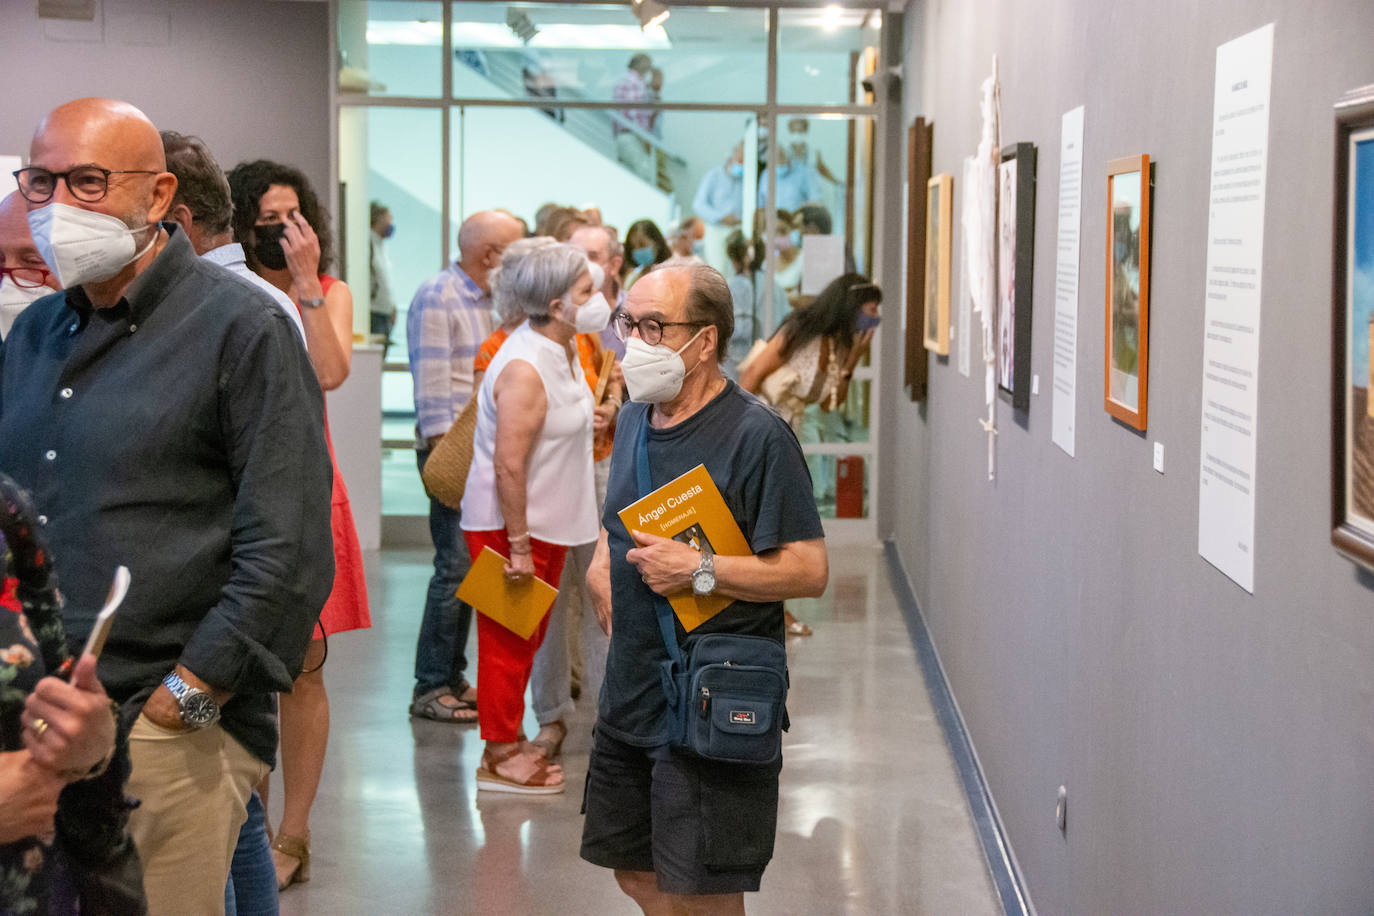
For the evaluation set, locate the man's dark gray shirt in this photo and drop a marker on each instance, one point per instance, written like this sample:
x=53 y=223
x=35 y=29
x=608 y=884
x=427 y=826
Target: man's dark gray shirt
x=179 y=433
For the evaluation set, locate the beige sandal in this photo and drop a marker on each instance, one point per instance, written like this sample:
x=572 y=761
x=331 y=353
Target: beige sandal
x=298 y=849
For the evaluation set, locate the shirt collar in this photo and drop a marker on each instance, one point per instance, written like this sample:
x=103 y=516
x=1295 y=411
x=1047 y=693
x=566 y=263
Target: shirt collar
x=226 y=255
x=468 y=283
x=149 y=287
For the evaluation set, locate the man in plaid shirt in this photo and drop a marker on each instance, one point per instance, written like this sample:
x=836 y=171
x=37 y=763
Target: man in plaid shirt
x=449 y=318
x=633 y=86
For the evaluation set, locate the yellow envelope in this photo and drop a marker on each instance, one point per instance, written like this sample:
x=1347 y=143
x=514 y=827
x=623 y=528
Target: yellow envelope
x=517 y=607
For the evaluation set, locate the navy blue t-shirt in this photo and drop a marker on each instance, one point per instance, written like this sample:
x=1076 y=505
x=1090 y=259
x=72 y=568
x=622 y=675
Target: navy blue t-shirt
x=756 y=463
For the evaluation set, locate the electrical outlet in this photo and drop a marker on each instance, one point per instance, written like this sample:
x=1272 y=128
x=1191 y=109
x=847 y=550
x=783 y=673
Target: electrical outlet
x=1035 y=384
x=1061 y=810
x=1159 y=457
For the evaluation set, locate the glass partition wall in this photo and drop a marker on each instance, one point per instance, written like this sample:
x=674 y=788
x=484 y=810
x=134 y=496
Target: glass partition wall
x=447 y=108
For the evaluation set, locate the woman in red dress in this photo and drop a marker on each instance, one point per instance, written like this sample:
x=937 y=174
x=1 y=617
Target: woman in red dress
x=285 y=237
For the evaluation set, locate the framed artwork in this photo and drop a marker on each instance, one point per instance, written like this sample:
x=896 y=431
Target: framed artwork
x=1128 y=290
x=1015 y=264
x=919 y=138
x=939 y=225
x=1352 y=314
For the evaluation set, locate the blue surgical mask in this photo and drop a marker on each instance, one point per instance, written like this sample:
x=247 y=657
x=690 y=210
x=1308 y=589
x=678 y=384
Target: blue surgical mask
x=796 y=238
x=643 y=256
x=736 y=170
x=865 y=323
x=390 y=231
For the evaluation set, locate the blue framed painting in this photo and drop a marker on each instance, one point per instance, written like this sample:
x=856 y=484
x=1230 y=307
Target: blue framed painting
x=1352 y=293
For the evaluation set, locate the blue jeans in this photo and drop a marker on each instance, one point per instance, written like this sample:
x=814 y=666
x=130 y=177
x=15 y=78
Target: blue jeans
x=252 y=887
x=440 y=651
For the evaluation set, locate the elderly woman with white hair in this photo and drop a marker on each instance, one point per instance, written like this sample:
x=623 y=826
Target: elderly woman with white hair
x=530 y=491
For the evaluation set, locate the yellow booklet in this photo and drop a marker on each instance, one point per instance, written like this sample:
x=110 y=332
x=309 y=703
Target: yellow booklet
x=517 y=607
x=690 y=509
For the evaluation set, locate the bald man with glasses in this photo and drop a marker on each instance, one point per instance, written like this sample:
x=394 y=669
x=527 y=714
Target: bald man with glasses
x=165 y=417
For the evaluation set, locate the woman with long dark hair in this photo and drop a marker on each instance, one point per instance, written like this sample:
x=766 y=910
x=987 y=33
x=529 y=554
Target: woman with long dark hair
x=285 y=235
x=818 y=346
x=645 y=246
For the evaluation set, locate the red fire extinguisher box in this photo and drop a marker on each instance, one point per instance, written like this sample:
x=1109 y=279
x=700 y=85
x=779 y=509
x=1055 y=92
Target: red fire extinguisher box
x=849 y=487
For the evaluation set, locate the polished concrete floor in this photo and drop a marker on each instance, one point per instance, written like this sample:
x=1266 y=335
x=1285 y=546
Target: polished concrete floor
x=872 y=818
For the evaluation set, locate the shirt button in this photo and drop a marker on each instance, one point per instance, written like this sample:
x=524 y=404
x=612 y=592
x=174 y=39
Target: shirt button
x=132 y=328
x=66 y=393
x=42 y=519
x=50 y=455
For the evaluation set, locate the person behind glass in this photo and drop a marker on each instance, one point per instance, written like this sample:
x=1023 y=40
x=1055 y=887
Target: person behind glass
x=285 y=233
x=646 y=246
x=61 y=791
x=530 y=491
x=24 y=276
x=741 y=284
x=687 y=239
x=448 y=319
x=381 y=306
x=631 y=149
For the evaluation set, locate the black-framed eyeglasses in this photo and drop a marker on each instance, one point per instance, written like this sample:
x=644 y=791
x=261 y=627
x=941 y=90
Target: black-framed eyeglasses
x=88 y=183
x=650 y=329
x=25 y=277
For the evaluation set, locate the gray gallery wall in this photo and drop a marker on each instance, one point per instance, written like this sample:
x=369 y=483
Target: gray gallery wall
x=1218 y=747
x=250 y=77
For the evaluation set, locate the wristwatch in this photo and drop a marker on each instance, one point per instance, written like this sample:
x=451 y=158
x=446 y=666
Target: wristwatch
x=313 y=303
x=198 y=708
x=704 y=579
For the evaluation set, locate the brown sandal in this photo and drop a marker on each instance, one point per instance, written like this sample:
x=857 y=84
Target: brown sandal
x=539 y=782
x=298 y=849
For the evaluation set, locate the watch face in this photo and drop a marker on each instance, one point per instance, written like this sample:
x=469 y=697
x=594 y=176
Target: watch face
x=199 y=709
x=703 y=582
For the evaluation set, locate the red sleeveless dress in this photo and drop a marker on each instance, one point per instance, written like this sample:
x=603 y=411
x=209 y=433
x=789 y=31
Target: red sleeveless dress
x=347 y=607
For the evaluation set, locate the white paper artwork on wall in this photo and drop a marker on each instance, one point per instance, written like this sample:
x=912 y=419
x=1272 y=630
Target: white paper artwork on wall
x=968 y=221
x=979 y=245
x=1230 y=348
x=1065 y=400
x=8 y=166
x=822 y=261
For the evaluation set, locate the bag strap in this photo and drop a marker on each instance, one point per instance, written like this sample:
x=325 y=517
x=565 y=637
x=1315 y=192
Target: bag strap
x=666 y=628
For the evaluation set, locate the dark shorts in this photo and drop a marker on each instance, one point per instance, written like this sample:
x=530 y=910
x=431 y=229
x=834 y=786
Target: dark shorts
x=702 y=827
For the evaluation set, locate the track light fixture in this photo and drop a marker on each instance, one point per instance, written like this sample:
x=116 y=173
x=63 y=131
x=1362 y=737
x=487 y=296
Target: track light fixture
x=649 y=12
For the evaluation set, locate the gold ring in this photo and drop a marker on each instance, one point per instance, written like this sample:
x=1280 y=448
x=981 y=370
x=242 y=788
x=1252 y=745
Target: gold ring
x=39 y=726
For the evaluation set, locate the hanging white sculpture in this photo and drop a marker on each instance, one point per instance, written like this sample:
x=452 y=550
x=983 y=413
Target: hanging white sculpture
x=979 y=221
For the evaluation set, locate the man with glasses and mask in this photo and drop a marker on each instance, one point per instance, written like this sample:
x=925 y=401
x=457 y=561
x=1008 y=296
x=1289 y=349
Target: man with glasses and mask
x=24 y=276
x=672 y=825
x=165 y=417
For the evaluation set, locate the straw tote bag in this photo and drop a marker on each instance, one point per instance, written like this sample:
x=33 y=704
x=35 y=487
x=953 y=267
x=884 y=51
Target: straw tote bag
x=446 y=470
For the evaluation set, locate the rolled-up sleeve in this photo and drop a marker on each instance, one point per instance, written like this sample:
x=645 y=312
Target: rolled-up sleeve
x=282 y=561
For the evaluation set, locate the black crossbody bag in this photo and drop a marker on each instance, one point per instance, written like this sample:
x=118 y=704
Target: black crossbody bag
x=727 y=694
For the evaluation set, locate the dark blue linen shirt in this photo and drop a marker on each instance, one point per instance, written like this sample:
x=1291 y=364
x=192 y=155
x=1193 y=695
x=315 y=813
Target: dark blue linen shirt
x=179 y=433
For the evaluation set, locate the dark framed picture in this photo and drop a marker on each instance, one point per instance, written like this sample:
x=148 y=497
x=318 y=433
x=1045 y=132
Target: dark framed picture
x=919 y=138
x=939 y=217
x=1352 y=313
x=1015 y=264
x=1127 y=359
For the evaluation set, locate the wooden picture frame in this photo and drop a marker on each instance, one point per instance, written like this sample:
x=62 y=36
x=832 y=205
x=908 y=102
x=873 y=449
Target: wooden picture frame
x=1352 y=330
x=1015 y=268
x=1126 y=359
x=939 y=225
x=919 y=140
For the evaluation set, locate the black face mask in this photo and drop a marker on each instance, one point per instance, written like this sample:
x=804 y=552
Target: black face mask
x=267 y=245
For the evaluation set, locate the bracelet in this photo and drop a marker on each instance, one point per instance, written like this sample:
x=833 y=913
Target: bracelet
x=515 y=538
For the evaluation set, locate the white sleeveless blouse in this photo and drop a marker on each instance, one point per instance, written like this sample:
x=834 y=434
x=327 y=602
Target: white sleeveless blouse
x=559 y=486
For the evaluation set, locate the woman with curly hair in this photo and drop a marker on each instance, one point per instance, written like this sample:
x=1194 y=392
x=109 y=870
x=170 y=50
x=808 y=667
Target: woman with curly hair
x=285 y=236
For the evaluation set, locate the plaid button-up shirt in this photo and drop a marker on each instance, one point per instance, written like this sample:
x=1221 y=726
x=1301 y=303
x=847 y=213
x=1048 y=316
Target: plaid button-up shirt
x=449 y=318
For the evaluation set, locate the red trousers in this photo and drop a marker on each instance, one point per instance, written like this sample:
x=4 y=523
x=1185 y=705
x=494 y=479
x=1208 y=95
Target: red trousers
x=504 y=659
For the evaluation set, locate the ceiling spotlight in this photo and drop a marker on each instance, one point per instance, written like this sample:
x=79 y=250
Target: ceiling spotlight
x=649 y=12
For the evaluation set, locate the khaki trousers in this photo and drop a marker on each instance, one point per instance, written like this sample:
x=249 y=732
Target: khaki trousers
x=193 y=789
